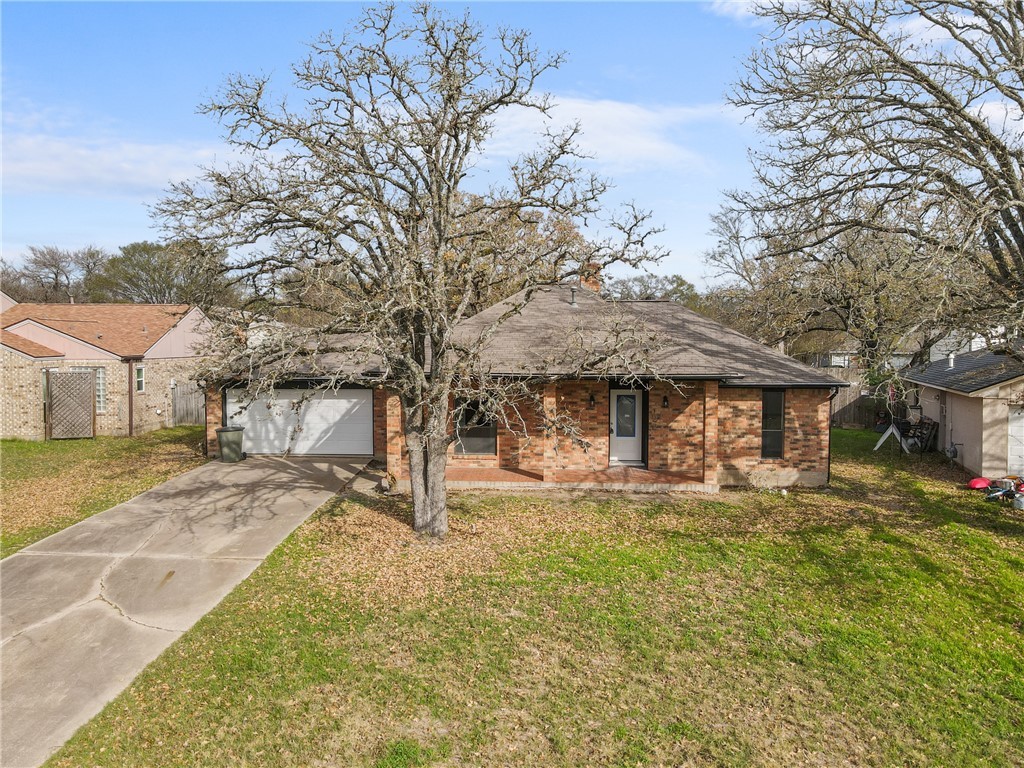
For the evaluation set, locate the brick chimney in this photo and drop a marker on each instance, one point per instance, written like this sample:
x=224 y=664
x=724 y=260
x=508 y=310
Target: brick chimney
x=590 y=276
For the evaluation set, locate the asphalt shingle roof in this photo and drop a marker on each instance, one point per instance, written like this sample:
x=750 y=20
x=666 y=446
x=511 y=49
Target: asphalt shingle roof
x=26 y=346
x=126 y=330
x=546 y=334
x=971 y=371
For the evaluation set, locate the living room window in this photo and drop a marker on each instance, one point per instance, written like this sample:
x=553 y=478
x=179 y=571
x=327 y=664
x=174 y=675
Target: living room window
x=476 y=433
x=773 y=417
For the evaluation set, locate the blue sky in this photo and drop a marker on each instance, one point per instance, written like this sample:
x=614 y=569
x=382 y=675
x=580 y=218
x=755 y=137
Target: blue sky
x=99 y=104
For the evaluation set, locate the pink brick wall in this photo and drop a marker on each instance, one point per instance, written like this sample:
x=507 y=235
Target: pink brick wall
x=805 y=451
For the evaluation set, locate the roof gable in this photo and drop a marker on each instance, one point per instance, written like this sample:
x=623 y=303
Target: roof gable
x=125 y=330
x=27 y=347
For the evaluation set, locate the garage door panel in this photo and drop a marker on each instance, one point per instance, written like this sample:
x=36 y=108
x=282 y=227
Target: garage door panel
x=328 y=422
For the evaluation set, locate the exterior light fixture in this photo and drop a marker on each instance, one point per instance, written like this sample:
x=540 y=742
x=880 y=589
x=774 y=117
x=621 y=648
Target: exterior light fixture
x=593 y=402
x=664 y=401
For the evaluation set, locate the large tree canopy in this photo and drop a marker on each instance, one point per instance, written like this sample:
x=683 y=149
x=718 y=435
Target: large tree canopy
x=903 y=117
x=348 y=206
x=52 y=275
x=879 y=290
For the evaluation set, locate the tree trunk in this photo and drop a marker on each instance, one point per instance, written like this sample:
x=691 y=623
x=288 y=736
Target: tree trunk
x=434 y=520
x=428 y=460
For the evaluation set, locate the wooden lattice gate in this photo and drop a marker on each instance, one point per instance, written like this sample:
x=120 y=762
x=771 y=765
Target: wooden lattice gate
x=70 y=408
x=188 y=404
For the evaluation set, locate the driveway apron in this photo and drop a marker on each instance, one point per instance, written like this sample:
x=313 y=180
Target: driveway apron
x=85 y=610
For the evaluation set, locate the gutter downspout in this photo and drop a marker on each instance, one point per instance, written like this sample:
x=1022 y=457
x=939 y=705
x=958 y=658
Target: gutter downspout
x=131 y=393
x=828 y=472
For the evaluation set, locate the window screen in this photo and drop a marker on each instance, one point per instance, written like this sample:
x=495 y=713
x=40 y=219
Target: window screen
x=773 y=408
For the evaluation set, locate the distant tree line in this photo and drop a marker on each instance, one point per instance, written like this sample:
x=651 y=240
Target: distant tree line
x=142 y=273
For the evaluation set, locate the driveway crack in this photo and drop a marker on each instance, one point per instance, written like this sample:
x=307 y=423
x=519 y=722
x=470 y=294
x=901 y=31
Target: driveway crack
x=116 y=562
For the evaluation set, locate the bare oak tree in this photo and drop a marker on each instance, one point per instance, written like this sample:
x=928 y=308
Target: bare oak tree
x=897 y=116
x=876 y=288
x=349 y=207
x=53 y=275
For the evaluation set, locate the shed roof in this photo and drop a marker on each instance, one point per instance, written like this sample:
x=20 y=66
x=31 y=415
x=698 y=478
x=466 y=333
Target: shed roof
x=971 y=371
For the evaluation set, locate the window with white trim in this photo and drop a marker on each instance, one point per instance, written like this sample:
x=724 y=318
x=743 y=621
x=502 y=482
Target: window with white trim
x=101 y=386
x=140 y=378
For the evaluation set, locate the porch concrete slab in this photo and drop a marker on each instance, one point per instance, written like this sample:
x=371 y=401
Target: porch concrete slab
x=84 y=611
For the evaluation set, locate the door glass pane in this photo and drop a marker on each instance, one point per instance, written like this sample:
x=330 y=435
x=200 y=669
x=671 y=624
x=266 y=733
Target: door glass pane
x=625 y=416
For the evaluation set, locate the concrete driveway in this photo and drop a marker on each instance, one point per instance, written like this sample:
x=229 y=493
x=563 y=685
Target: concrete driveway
x=84 y=611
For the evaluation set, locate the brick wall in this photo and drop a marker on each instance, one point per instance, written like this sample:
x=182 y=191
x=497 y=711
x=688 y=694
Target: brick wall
x=676 y=433
x=572 y=399
x=380 y=423
x=397 y=456
x=154 y=406
x=805 y=450
x=521 y=447
x=21 y=394
x=214 y=419
x=21 y=397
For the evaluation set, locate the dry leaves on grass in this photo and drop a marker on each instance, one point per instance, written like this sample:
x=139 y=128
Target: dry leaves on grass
x=43 y=501
x=369 y=552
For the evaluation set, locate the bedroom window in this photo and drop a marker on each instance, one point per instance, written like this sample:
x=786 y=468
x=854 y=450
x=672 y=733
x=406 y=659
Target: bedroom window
x=477 y=434
x=773 y=415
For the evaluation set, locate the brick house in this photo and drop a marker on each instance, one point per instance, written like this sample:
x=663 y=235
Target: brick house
x=137 y=353
x=722 y=409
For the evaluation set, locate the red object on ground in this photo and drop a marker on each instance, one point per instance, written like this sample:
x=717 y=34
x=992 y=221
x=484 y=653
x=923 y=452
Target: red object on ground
x=979 y=483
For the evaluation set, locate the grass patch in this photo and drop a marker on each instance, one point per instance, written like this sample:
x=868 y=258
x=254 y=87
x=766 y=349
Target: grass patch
x=50 y=485
x=877 y=623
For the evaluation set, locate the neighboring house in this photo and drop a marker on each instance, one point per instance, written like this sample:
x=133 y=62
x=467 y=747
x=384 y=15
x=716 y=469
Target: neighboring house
x=734 y=413
x=978 y=400
x=136 y=352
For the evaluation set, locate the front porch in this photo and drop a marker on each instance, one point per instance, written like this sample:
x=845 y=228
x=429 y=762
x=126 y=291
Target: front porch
x=621 y=478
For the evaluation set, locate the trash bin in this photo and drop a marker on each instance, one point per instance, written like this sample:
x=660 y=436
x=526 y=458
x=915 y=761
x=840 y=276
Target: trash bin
x=230 y=441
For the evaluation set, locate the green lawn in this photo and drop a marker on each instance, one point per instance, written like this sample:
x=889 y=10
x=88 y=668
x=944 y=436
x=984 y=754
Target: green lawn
x=879 y=623
x=47 y=486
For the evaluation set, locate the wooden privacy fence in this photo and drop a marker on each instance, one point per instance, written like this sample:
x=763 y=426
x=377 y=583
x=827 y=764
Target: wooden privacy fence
x=69 y=407
x=860 y=404
x=188 y=404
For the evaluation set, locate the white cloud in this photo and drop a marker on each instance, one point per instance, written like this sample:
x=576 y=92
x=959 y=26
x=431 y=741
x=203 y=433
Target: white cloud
x=740 y=10
x=107 y=167
x=1003 y=117
x=621 y=137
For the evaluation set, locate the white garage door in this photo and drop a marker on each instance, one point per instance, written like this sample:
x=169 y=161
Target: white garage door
x=329 y=422
x=1015 y=442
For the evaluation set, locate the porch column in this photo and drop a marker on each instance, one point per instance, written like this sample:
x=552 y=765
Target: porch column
x=395 y=440
x=550 y=433
x=711 y=432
